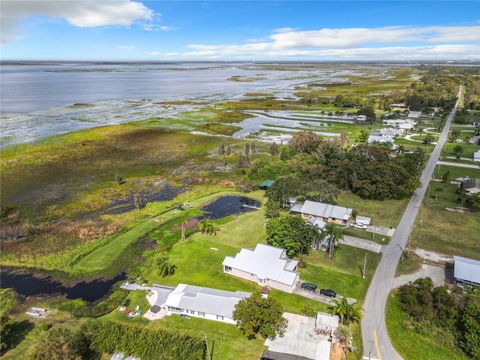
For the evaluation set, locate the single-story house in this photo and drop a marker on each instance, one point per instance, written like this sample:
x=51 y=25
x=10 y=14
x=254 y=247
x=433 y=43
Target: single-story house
x=471 y=186
x=327 y=212
x=266 y=265
x=363 y=220
x=474 y=140
x=266 y=184
x=197 y=301
x=466 y=271
x=399 y=107
x=403 y=124
x=392 y=132
x=305 y=338
x=317 y=222
x=414 y=114
x=476 y=155
x=361 y=118
x=194 y=301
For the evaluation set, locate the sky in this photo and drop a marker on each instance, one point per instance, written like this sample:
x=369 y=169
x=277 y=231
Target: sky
x=132 y=30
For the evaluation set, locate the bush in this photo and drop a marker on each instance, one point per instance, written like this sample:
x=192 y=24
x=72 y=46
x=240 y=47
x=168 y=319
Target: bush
x=146 y=343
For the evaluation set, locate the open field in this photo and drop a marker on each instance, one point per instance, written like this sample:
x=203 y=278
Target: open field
x=468 y=149
x=444 y=231
x=385 y=213
x=431 y=344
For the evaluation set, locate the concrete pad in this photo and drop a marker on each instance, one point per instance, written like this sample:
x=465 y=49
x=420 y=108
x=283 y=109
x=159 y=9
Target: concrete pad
x=301 y=339
x=436 y=273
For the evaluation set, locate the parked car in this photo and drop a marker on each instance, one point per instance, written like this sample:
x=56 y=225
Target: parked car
x=359 y=226
x=308 y=286
x=329 y=293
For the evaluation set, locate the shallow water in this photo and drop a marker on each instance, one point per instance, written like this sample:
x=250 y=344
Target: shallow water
x=36 y=101
x=26 y=284
x=229 y=205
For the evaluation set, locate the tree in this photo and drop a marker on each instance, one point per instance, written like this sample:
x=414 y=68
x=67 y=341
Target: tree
x=308 y=310
x=474 y=201
x=453 y=136
x=257 y=315
x=272 y=209
x=207 y=227
x=164 y=267
x=368 y=111
x=290 y=233
x=61 y=344
x=348 y=313
x=470 y=324
x=457 y=150
x=304 y=141
x=427 y=140
x=274 y=150
x=342 y=333
x=363 y=135
x=221 y=149
x=334 y=234
x=137 y=200
x=446 y=176
x=5 y=331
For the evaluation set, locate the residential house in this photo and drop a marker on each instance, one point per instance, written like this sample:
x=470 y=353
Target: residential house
x=476 y=155
x=471 y=186
x=361 y=118
x=326 y=212
x=414 y=114
x=466 y=271
x=304 y=338
x=402 y=124
x=202 y=302
x=474 y=140
x=374 y=139
x=266 y=265
x=399 y=107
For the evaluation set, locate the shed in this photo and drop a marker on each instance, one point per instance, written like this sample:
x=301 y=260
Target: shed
x=466 y=270
x=363 y=220
x=266 y=184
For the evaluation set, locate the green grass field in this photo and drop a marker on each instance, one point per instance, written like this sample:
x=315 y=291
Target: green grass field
x=431 y=344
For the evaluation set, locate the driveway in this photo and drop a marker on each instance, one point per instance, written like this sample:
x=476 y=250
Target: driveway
x=382 y=230
x=455 y=164
x=436 y=273
x=361 y=243
x=373 y=324
x=318 y=297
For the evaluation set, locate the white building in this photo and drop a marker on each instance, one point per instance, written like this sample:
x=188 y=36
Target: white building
x=402 y=124
x=266 y=265
x=466 y=270
x=195 y=301
x=375 y=139
x=476 y=155
x=361 y=118
x=363 y=220
x=327 y=212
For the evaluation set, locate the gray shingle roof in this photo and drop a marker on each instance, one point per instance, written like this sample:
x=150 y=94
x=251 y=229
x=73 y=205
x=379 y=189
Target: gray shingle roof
x=466 y=269
x=265 y=262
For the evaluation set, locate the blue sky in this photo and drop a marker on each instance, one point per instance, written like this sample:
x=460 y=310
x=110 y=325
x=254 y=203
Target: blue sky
x=248 y=30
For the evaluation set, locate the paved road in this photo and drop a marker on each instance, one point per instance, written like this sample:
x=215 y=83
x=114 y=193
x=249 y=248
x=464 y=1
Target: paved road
x=462 y=165
x=383 y=280
x=361 y=243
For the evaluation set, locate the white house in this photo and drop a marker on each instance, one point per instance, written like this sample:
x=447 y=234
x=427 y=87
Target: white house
x=402 y=124
x=266 y=265
x=195 y=301
x=474 y=140
x=476 y=155
x=361 y=118
x=327 y=212
x=375 y=139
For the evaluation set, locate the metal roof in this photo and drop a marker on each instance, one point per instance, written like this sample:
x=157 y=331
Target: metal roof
x=466 y=269
x=325 y=210
x=209 y=301
x=266 y=262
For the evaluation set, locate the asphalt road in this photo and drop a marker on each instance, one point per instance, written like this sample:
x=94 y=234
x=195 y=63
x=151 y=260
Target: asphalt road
x=383 y=280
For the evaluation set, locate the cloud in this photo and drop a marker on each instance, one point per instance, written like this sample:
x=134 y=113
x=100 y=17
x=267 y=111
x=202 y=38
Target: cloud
x=126 y=47
x=429 y=42
x=156 y=27
x=80 y=13
x=160 y=53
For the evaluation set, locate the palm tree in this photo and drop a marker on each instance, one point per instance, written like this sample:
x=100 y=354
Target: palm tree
x=437 y=190
x=164 y=267
x=207 y=227
x=348 y=313
x=334 y=234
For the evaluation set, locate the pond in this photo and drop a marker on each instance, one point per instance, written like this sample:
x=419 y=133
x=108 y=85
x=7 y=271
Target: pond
x=229 y=205
x=27 y=284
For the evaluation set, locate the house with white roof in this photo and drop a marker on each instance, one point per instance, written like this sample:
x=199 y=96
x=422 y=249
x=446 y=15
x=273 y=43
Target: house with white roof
x=375 y=139
x=327 y=212
x=195 y=301
x=266 y=265
x=476 y=155
x=402 y=124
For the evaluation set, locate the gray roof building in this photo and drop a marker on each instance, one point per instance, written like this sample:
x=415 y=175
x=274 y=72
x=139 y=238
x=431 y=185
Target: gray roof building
x=326 y=211
x=466 y=270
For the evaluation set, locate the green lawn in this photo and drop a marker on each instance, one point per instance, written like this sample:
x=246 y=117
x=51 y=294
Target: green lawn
x=467 y=152
x=380 y=239
x=430 y=344
x=455 y=171
x=385 y=213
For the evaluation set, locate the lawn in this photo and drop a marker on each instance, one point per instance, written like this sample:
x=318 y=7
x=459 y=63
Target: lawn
x=455 y=171
x=382 y=212
x=363 y=234
x=467 y=152
x=413 y=345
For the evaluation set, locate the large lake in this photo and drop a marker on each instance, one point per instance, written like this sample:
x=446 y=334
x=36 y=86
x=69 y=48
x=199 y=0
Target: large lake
x=36 y=101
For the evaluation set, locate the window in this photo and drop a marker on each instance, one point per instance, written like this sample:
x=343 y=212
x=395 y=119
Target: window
x=191 y=311
x=175 y=309
x=219 y=317
x=201 y=313
x=228 y=268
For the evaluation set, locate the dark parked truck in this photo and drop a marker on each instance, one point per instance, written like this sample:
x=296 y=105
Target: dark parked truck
x=329 y=293
x=308 y=286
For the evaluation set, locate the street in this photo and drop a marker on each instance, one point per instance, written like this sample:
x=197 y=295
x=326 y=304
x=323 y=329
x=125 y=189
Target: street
x=383 y=280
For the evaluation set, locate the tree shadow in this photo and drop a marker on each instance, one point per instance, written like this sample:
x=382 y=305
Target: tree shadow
x=19 y=330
